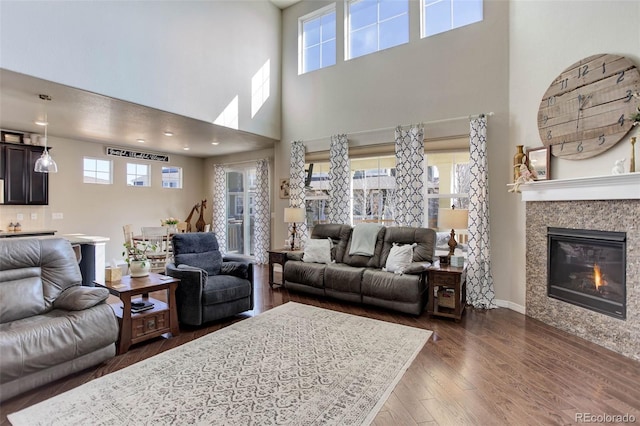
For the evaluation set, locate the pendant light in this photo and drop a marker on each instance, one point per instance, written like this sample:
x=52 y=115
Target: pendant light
x=45 y=164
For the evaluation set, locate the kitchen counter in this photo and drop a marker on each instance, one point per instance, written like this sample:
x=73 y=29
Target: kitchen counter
x=30 y=233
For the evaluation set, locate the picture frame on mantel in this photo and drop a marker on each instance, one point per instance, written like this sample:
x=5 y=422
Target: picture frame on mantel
x=540 y=161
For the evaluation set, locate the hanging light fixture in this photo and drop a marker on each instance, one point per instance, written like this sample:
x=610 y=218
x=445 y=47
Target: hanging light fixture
x=45 y=164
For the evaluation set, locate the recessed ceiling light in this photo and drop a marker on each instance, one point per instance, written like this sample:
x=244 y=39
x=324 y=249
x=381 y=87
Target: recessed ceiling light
x=186 y=148
x=41 y=123
x=215 y=143
x=167 y=133
x=140 y=140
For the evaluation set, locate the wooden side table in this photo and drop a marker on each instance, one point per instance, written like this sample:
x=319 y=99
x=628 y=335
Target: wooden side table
x=141 y=326
x=278 y=256
x=447 y=291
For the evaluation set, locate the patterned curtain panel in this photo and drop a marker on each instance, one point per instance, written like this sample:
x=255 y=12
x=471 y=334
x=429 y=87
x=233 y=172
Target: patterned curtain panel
x=219 y=206
x=296 y=187
x=409 y=197
x=480 y=291
x=262 y=220
x=339 y=181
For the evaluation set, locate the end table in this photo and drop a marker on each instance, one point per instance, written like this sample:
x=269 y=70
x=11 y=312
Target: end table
x=447 y=291
x=279 y=256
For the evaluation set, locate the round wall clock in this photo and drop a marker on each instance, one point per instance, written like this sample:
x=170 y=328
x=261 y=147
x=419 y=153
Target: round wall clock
x=586 y=109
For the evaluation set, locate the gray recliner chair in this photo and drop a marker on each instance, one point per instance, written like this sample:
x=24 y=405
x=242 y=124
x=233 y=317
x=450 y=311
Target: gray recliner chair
x=211 y=287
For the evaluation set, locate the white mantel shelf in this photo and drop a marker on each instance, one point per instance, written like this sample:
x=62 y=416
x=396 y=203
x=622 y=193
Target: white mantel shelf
x=615 y=187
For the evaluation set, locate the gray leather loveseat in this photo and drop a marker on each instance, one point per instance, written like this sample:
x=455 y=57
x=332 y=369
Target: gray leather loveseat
x=360 y=278
x=50 y=326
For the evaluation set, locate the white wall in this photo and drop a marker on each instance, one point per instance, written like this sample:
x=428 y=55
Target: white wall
x=102 y=210
x=545 y=38
x=453 y=74
x=187 y=57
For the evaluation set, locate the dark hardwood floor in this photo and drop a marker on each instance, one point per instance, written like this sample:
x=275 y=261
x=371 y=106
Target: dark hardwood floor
x=493 y=368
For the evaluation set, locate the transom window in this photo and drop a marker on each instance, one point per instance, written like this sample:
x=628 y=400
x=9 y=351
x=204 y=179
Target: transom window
x=138 y=174
x=439 y=16
x=172 y=177
x=375 y=25
x=97 y=171
x=317 y=37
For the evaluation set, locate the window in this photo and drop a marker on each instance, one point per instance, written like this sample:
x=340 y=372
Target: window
x=448 y=180
x=241 y=188
x=373 y=189
x=375 y=25
x=317 y=40
x=97 y=171
x=138 y=174
x=172 y=177
x=439 y=16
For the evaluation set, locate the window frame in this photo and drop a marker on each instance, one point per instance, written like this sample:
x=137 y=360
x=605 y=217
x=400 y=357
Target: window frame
x=179 y=179
x=95 y=172
x=347 y=30
x=137 y=176
x=316 y=14
x=423 y=24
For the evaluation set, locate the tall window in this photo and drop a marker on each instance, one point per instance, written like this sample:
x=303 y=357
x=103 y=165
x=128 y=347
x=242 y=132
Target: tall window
x=375 y=25
x=374 y=184
x=443 y=15
x=317 y=40
x=97 y=171
x=448 y=180
x=138 y=174
x=172 y=177
x=241 y=189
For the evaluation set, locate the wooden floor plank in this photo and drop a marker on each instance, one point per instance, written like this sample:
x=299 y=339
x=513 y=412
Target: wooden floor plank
x=494 y=367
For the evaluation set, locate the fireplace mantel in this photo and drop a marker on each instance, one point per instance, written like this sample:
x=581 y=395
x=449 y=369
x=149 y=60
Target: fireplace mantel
x=615 y=187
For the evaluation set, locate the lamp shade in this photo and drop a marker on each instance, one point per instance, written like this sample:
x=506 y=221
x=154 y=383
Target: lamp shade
x=294 y=214
x=453 y=218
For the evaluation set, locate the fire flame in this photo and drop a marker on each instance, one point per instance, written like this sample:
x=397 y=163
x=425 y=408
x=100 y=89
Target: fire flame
x=597 y=277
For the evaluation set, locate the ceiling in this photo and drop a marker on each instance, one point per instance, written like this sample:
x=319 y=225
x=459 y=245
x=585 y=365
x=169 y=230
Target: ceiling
x=283 y=4
x=77 y=114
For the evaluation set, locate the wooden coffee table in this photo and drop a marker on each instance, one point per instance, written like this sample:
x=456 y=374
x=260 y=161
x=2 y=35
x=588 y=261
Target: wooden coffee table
x=141 y=326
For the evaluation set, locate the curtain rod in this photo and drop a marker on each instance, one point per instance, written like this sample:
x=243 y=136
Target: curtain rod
x=237 y=163
x=444 y=120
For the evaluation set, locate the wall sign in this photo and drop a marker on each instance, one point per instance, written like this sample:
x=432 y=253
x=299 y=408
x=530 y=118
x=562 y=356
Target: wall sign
x=121 y=152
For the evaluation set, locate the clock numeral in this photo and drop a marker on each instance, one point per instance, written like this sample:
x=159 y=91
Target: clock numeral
x=601 y=139
x=562 y=146
x=584 y=70
x=551 y=101
x=564 y=83
x=621 y=120
x=621 y=76
x=580 y=148
x=549 y=134
x=603 y=68
x=545 y=118
x=628 y=96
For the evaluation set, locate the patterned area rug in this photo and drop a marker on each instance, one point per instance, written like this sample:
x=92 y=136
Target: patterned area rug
x=292 y=365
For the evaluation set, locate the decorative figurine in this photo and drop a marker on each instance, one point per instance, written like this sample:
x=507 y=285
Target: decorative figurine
x=618 y=168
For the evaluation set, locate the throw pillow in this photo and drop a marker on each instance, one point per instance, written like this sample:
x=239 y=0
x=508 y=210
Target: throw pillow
x=317 y=250
x=400 y=256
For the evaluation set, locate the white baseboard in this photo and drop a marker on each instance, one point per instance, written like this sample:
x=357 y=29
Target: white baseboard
x=510 y=305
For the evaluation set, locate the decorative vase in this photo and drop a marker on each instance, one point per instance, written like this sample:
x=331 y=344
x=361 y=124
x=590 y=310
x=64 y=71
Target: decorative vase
x=139 y=268
x=517 y=160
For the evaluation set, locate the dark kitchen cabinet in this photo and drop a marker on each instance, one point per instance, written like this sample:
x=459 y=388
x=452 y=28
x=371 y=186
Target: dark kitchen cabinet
x=22 y=185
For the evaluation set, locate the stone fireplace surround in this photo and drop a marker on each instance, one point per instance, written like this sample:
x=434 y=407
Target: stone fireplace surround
x=610 y=203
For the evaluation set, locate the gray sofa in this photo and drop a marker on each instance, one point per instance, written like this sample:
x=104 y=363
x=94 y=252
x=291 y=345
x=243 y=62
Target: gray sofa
x=361 y=279
x=50 y=326
x=211 y=287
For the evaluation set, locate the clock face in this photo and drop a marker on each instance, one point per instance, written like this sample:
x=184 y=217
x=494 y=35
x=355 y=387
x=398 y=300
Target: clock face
x=586 y=109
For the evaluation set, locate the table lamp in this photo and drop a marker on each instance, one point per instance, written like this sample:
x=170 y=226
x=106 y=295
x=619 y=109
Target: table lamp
x=453 y=219
x=294 y=215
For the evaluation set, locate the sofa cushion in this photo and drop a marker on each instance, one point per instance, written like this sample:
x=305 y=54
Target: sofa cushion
x=79 y=298
x=309 y=274
x=425 y=239
x=199 y=249
x=365 y=261
x=342 y=278
x=339 y=235
x=21 y=297
x=223 y=288
x=317 y=250
x=387 y=286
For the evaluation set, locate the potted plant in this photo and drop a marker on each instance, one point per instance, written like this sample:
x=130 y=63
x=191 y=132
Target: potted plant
x=135 y=254
x=171 y=222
